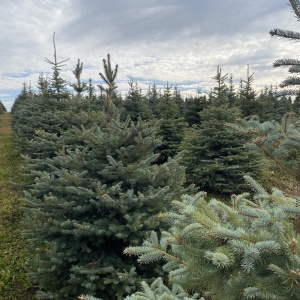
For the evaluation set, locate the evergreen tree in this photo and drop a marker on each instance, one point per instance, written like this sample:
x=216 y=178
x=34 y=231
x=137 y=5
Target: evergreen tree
x=41 y=112
x=245 y=250
x=219 y=94
x=91 y=89
x=179 y=101
x=247 y=97
x=43 y=121
x=95 y=201
x=266 y=105
x=271 y=106
x=36 y=112
x=21 y=98
x=152 y=99
x=77 y=111
x=173 y=127
x=193 y=106
x=114 y=97
x=43 y=85
x=57 y=83
x=283 y=105
x=135 y=104
x=216 y=159
x=291 y=84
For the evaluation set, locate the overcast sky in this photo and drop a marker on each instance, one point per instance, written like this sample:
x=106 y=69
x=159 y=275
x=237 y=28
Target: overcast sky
x=176 y=41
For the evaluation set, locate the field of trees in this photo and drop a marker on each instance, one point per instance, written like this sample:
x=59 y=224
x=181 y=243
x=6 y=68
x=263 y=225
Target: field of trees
x=151 y=196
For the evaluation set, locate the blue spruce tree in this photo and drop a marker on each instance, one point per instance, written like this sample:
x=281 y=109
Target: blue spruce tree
x=93 y=202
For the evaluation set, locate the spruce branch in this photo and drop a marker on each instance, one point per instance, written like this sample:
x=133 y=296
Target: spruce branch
x=294 y=69
x=295 y=5
x=80 y=86
x=293 y=63
x=292 y=80
x=286 y=62
x=287 y=92
x=270 y=155
x=292 y=35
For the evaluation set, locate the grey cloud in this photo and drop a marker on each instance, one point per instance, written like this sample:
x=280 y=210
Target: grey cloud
x=125 y=21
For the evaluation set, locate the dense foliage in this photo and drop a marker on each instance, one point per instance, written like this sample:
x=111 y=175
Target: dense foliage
x=216 y=159
x=95 y=200
x=245 y=250
x=104 y=169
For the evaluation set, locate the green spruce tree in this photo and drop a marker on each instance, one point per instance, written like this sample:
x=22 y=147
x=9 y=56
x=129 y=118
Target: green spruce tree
x=40 y=111
x=57 y=83
x=193 y=106
x=96 y=200
x=135 y=105
x=220 y=92
x=179 y=101
x=152 y=99
x=247 y=97
x=173 y=126
x=216 y=159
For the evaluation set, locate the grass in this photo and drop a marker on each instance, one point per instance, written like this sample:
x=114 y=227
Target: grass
x=13 y=281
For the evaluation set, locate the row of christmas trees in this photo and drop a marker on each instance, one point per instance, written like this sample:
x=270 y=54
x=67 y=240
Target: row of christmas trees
x=101 y=179
x=94 y=188
x=97 y=184
x=215 y=157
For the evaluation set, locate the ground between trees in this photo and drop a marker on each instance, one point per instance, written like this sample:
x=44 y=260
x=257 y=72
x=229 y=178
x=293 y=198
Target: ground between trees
x=13 y=282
